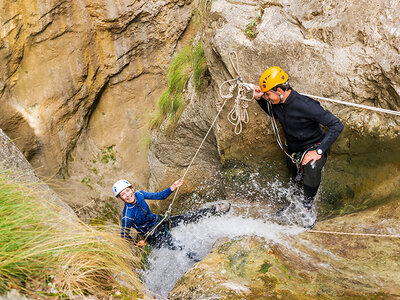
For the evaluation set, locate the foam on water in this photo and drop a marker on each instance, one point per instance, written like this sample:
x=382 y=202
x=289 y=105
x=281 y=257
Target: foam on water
x=263 y=208
x=196 y=241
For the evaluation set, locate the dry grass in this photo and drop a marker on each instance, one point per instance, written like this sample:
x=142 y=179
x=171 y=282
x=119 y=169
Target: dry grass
x=48 y=254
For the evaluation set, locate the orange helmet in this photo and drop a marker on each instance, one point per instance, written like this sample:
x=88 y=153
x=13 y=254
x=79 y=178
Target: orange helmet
x=271 y=78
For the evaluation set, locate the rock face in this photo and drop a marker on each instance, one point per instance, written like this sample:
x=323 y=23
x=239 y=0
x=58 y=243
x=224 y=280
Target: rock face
x=307 y=266
x=343 y=51
x=15 y=164
x=79 y=79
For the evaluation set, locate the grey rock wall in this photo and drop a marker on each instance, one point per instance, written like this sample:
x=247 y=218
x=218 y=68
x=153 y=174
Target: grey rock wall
x=18 y=169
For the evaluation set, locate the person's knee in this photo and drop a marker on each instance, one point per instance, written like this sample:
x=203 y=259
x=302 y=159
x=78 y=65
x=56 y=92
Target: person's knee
x=312 y=173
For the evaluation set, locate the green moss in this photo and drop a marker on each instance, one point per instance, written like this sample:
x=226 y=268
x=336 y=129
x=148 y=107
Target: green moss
x=270 y=281
x=265 y=267
x=237 y=263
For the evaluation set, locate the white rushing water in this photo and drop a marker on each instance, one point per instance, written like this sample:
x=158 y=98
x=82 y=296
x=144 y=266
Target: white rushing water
x=196 y=241
x=259 y=211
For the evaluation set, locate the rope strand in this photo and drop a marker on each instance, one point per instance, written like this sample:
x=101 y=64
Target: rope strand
x=382 y=110
x=355 y=233
x=168 y=212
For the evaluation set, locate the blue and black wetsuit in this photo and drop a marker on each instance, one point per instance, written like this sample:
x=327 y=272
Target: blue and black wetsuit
x=301 y=117
x=138 y=216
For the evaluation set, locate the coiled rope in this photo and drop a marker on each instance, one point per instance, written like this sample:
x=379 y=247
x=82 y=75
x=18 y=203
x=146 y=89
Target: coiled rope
x=238 y=114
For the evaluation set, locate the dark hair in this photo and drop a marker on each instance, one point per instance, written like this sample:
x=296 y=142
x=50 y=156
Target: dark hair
x=284 y=86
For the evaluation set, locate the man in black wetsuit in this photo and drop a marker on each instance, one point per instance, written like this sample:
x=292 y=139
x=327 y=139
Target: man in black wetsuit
x=300 y=117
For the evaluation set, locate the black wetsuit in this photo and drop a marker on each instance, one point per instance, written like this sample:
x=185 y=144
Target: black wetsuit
x=161 y=236
x=301 y=117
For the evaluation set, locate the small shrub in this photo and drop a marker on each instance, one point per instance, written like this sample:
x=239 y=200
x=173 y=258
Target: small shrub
x=250 y=30
x=86 y=181
x=108 y=155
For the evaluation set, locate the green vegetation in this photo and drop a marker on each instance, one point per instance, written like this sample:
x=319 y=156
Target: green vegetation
x=86 y=181
x=109 y=214
x=265 y=267
x=146 y=141
x=250 y=30
x=200 y=12
x=190 y=61
x=49 y=254
x=107 y=155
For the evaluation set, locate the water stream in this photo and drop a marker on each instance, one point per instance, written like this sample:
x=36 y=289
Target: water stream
x=258 y=210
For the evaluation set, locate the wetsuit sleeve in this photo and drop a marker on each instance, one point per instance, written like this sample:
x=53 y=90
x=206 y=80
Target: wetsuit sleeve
x=327 y=119
x=126 y=229
x=264 y=105
x=157 y=196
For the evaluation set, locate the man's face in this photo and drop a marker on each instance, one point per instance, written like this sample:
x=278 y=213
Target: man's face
x=274 y=98
x=127 y=195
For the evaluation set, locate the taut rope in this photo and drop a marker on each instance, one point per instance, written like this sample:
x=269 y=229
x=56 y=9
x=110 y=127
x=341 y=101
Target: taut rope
x=355 y=233
x=168 y=213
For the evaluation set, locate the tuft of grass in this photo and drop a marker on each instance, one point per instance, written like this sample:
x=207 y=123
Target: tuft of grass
x=199 y=65
x=46 y=253
x=250 y=30
x=189 y=62
x=146 y=142
x=86 y=181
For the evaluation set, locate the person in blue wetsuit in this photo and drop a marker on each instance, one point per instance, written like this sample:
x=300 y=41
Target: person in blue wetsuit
x=137 y=214
x=300 y=118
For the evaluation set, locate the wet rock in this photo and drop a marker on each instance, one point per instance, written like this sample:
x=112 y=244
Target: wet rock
x=305 y=266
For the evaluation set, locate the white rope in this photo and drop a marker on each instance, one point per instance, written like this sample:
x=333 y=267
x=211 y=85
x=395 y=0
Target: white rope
x=168 y=212
x=238 y=114
x=382 y=110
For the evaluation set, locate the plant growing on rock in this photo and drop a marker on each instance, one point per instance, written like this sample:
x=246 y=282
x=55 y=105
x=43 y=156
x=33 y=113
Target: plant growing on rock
x=250 y=30
x=189 y=63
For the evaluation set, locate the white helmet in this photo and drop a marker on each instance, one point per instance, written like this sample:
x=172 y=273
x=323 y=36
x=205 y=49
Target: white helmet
x=119 y=186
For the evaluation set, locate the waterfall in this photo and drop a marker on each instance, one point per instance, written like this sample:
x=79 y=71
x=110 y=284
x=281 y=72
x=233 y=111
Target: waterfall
x=265 y=215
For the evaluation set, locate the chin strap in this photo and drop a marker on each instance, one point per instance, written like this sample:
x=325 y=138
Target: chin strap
x=281 y=96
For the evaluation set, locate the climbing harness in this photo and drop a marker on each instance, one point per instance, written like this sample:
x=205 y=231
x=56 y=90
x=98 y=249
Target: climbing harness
x=355 y=233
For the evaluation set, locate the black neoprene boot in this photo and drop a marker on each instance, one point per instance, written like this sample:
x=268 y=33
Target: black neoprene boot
x=307 y=202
